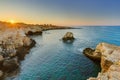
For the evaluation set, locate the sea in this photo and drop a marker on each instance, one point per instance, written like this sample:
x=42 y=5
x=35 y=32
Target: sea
x=53 y=59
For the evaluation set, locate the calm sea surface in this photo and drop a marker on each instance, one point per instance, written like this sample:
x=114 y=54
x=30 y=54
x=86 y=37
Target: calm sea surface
x=52 y=59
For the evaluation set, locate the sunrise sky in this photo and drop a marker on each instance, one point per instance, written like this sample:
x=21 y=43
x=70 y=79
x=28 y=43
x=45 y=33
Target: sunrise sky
x=61 y=12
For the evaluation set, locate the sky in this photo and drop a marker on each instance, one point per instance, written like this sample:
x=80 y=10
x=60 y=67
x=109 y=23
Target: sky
x=61 y=12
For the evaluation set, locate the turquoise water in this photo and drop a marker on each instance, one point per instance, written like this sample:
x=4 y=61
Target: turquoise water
x=52 y=59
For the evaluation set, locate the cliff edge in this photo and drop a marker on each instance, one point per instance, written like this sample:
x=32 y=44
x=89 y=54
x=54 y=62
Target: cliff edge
x=110 y=62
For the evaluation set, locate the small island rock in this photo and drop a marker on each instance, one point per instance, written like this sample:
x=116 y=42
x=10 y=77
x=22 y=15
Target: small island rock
x=68 y=36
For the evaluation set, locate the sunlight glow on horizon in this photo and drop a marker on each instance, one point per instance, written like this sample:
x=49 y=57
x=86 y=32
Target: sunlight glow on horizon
x=61 y=12
x=12 y=21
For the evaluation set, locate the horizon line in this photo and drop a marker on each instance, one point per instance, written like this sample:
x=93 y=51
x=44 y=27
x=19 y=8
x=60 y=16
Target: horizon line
x=61 y=25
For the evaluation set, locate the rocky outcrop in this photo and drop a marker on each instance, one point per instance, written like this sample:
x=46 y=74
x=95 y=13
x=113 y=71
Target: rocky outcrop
x=1 y=75
x=15 y=43
x=13 y=48
x=24 y=49
x=34 y=33
x=68 y=37
x=10 y=64
x=110 y=62
x=90 y=53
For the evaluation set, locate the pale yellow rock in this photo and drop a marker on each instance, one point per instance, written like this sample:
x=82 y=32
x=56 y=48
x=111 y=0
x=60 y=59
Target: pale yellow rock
x=26 y=41
x=1 y=58
x=110 y=62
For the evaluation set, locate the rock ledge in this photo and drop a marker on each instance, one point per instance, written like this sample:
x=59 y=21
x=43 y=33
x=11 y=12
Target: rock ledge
x=110 y=62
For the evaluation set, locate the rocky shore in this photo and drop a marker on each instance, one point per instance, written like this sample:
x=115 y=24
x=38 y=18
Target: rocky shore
x=13 y=48
x=15 y=43
x=110 y=61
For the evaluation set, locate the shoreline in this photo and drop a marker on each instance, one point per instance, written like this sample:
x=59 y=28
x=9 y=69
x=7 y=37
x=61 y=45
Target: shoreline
x=26 y=40
x=10 y=62
x=15 y=45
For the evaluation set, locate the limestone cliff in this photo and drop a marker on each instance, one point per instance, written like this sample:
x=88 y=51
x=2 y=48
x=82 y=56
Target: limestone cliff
x=14 y=45
x=110 y=62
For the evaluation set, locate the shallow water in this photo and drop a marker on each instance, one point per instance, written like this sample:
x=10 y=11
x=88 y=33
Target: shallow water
x=52 y=59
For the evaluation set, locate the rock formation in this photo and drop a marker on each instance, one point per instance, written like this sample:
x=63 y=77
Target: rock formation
x=92 y=54
x=110 y=62
x=15 y=44
x=13 y=48
x=10 y=64
x=68 y=37
x=34 y=33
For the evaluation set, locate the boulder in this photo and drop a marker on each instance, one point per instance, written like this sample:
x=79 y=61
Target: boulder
x=1 y=75
x=12 y=55
x=23 y=50
x=1 y=58
x=1 y=61
x=68 y=37
x=33 y=42
x=110 y=62
x=26 y=41
x=10 y=65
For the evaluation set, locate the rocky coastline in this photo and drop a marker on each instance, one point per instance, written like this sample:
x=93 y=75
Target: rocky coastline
x=15 y=43
x=13 y=49
x=110 y=61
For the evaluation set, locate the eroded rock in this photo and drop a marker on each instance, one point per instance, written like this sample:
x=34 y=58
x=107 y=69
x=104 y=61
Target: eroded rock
x=92 y=54
x=110 y=62
x=34 y=33
x=68 y=37
x=1 y=75
x=1 y=58
x=10 y=64
x=13 y=48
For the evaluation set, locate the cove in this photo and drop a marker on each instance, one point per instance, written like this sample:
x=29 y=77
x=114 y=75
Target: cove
x=52 y=59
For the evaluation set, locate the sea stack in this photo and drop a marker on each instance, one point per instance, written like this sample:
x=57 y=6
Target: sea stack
x=110 y=62
x=68 y=37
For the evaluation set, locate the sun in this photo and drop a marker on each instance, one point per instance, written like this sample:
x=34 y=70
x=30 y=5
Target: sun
x=12 y=21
